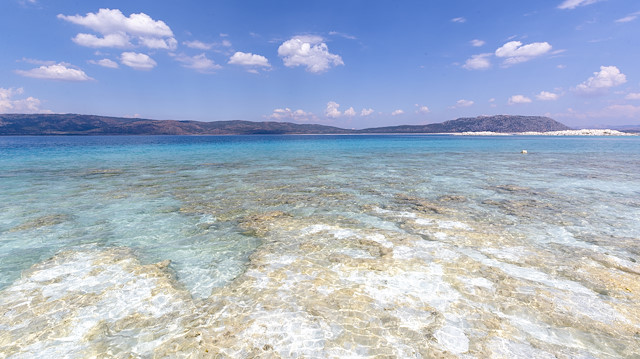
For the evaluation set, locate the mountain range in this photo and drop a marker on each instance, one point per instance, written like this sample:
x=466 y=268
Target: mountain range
x=74 y=124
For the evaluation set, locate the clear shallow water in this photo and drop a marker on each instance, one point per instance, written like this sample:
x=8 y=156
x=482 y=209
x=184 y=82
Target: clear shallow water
x=320 y=246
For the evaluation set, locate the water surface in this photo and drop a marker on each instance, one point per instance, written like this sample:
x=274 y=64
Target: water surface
x=320 y=246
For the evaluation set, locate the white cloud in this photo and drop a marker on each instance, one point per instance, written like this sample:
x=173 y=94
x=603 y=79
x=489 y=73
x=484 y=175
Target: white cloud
x=221 y=47
x=286 y=114
x=422 y=109
x=199 y=63
x=547 y=96
x=516 y=99
x=514 y=52
x=366 y=112
x=632 y=96
x=119 y=31
x=629 y=17
x=24 y=105
x=109 y=40
x=477 y=43
x=350 y=112
x=478 y=62
x=105 y=63
x=137 y=61
x=608 y=76
x=158 y=43
x=37 y=62
x=197 y=44
x=572 y=4
x=332 y=110
x=397 y=112
x=59 y=71
x=248 y=59
x=308 y=51
x=459 y=19
x=341 y=34
x=463 y=103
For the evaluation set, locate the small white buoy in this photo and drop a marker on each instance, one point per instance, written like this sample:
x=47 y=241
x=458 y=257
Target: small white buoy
x=524 y=152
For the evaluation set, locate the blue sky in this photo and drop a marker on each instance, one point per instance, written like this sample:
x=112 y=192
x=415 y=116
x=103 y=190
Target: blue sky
x=352 y=64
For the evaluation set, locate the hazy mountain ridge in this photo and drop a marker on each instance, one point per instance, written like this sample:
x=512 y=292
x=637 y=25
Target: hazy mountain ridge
x=73 y=124
x=498 y=123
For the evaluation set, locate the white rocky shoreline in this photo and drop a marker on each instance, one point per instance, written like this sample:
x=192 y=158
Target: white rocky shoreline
x=582 y=132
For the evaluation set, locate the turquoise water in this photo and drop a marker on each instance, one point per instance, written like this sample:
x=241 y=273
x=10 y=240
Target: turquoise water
x=320 y=246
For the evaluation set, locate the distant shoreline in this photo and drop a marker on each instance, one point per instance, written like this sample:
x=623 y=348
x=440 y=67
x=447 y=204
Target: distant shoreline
x=582 y=132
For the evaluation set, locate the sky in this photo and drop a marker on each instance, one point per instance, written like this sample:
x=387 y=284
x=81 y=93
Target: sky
x=347 y=63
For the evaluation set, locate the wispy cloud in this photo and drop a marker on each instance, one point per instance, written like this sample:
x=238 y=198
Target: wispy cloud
x=459 y=20
x=342 y=34
x=105 y=63
x=572 y=4
x=629 y=17
x=462 y=103
x=199 y=63
x=286 y=114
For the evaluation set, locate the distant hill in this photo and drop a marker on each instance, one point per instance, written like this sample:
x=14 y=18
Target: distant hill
x=73 y=124
x=498 y=123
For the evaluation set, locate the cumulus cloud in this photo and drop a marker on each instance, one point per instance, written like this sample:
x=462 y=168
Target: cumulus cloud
x=105 y=63
x=8 y=104
x=308 y=51
x=608 y=76
x=547 y=96
x=477 y=43
x=463 y=103
x=459 y=19
x=514 y=52
x=397 y=112
x=422 y=109
x=350 y=112
x=122 y=31
x=60 y=71
x=199 y=63
x=629 y=17
x=516 y=99
x=137 y=61
x=248 y=59
x=366 y=112
x=332 y=110
x=632 y=96
x=478 y=62
x=572 y=4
